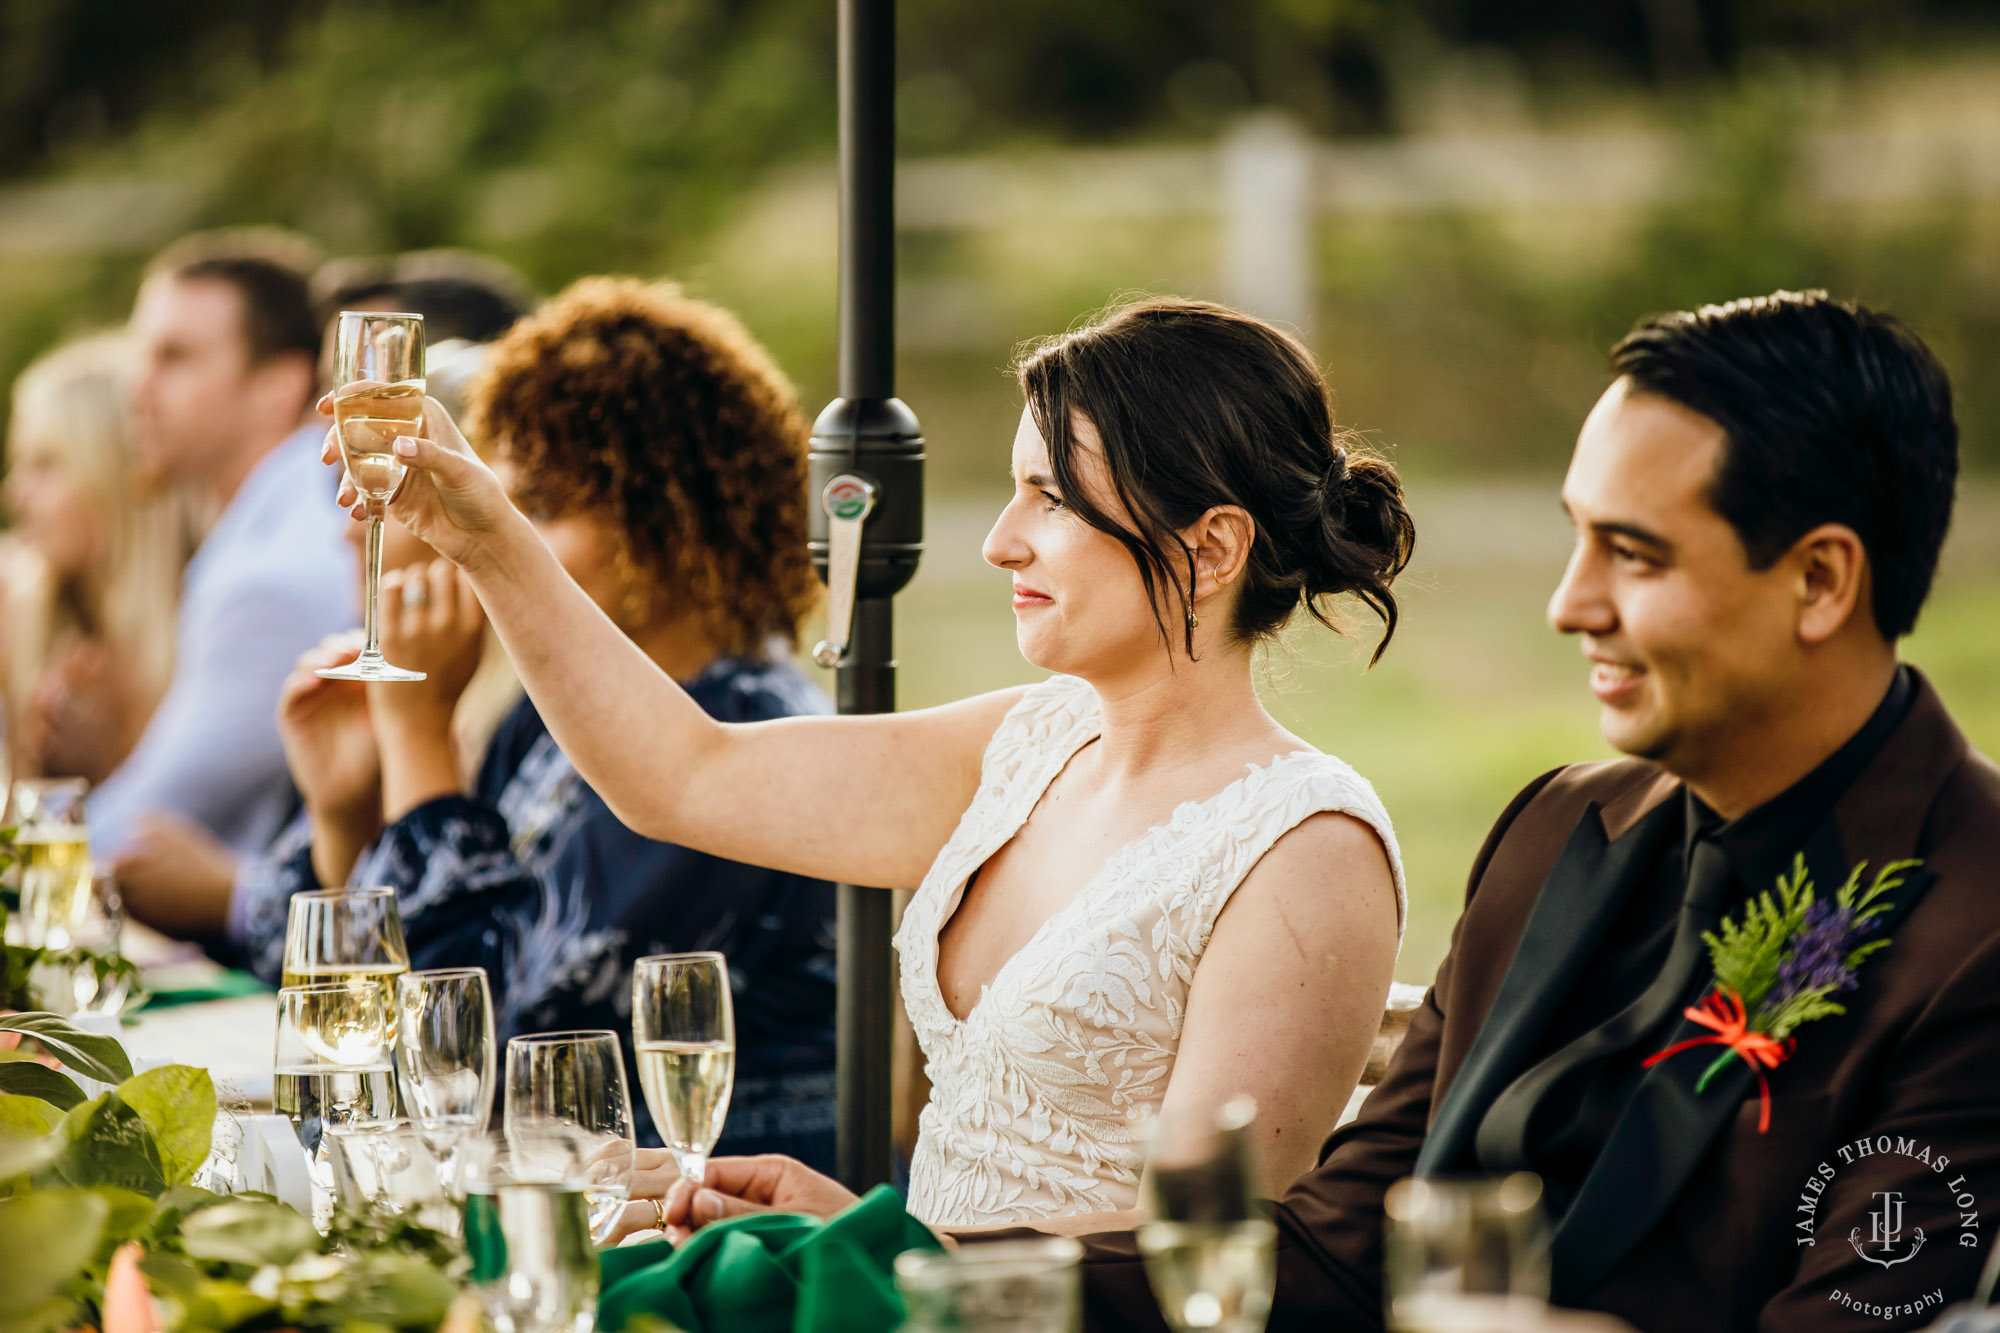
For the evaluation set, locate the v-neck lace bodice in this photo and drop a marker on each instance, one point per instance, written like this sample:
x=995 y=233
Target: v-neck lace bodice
x=1037 y=1092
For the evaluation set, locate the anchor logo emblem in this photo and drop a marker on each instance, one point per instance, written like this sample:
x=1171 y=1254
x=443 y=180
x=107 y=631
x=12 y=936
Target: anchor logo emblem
x=1885 y=1233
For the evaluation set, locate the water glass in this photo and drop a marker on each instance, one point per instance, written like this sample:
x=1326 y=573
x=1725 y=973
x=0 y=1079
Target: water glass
x=1466 y=1254
x=566 y=1092
x=1209 y=1252
x=52 y=845
x=382 y=1169
x=445 y=1056
x=528 y=1233
x=1012 y=1286
x=684 y=1034
x=331 y=1068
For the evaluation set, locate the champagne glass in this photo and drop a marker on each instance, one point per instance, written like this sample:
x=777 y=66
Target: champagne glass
x=528 y=1234
x=684 y=1032
x=1006 y=1286
x=1209 y=1253
x=52 y=840
x=378 y=374
x=353 y=936
x=331 y=1068
x=567 y=1090
x=73 y=984
x=444 y=1033
x=1466 y=1254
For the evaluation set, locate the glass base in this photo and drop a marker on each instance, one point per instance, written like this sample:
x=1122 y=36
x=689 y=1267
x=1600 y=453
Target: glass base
x=366 y=667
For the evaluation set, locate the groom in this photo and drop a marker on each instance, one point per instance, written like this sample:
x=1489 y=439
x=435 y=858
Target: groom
x=1759 y=499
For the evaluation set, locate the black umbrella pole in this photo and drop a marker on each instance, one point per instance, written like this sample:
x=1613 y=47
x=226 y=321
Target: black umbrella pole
x=867 y=477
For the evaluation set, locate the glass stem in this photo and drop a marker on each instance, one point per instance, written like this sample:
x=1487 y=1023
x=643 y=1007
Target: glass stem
x=373 y=647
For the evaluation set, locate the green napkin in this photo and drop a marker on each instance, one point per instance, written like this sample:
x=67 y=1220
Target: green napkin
x=228 y=985
x=770 y=1273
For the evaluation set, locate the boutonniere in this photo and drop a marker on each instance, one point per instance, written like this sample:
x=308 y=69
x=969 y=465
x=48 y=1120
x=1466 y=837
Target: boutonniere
x=1780 y=967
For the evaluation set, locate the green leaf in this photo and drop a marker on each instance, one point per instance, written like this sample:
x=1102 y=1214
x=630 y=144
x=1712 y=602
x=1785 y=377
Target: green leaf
x=48 y=1238
x=399 y=1290
x=27 y=1115
x=248 y=1232
x=88 y=1054
x=128 y=1218
x=30 y=1078
x=177 y=1102
x=26 y=1155
x=106 y=1143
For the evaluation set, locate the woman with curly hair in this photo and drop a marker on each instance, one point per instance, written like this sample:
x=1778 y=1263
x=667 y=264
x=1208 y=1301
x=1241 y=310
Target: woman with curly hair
x=662 y=457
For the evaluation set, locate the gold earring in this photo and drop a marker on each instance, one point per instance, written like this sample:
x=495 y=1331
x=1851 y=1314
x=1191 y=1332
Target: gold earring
x=1193 y=620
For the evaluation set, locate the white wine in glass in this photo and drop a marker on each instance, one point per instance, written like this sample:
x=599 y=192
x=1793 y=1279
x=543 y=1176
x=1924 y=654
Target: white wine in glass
x=378 y=376
x=53 y=843
x=331 y=1067
x=353 y=937
x=1210 y=1256
x=684 y=1035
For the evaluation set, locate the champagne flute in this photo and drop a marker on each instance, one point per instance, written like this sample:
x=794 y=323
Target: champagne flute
x=444 y=1030
x=528 y=1234
x=331 y=1068
x=684 y=1033
x=52 y=840
x=1462 y=1254
x=378 y=374
x=567 y=1089
x=1209 y=1254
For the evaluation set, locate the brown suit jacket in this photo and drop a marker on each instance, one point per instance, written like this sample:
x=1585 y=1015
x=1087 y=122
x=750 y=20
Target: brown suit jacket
x=1706 y=1223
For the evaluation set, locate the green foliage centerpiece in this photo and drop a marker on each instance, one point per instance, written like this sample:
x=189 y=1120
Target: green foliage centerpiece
x=87 y=1174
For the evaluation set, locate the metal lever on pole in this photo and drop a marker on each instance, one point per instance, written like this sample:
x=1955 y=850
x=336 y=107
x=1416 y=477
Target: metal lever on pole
x=848 y=501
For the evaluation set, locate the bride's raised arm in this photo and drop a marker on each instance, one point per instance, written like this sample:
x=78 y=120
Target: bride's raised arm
x=864 y=800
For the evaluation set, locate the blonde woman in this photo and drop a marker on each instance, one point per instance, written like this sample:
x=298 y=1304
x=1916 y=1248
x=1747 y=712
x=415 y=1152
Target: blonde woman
x=93 y=574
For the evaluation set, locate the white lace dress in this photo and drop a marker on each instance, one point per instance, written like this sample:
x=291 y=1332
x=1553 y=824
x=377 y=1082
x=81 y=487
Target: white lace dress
x=1037 y=1094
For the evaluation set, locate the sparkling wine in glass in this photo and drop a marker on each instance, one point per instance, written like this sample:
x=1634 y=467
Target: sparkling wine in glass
x=444 y=1033
x=53 y=844
x=684 y=1033
x=566 y=1092
x=331 y=1068
x=1209 y=1254
x=1466 y=1254
x=379 y=394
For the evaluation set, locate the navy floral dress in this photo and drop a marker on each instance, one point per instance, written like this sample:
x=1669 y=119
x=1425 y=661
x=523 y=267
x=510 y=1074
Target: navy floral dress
x=533 y=878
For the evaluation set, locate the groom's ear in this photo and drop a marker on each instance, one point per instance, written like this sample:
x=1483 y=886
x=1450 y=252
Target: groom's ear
x=1830 y=579
x=1220 y=540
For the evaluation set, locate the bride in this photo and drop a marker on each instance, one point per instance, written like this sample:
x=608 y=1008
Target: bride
x=1137 y=890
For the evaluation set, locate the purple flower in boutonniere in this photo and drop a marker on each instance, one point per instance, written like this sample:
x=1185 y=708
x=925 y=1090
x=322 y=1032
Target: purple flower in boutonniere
x=1780 y=967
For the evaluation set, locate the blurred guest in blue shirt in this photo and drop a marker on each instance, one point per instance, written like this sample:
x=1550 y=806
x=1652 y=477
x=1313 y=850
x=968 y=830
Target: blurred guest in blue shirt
x=662 y=457
x=227 y=343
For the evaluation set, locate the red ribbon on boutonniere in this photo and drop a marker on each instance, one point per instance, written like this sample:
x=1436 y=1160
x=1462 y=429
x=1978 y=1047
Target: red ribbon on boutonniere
x=1780 y=967
x=1723 y=1012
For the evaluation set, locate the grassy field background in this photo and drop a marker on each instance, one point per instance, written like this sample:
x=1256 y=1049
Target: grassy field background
x=1475 y=697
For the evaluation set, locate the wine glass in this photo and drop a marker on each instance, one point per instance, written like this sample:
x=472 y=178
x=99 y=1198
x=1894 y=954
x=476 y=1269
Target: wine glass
x=81 y=986
x=331 y=1068
x=1007 y=1286
x=52 y=840
x=378 y=374
x=684 y=1033
x=1209 y=1253
x=383 y=1169
x=568 y=1089
x=444 y=1033
x=353 y=936
x=528 y=1234
x=1466 y=1254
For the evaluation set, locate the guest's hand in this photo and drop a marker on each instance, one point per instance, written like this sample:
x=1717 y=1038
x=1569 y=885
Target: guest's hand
x=430 y=622
x=85 y=718
x=175 y=876
x=448 y=497
x=737 y=1186
x=330 y=748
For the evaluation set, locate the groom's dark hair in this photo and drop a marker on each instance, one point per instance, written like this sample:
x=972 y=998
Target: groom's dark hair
x=1834 y=413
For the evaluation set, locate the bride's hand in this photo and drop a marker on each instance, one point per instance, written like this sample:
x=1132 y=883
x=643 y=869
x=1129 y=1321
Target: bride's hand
x=448 y=496
x=731 y=1187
